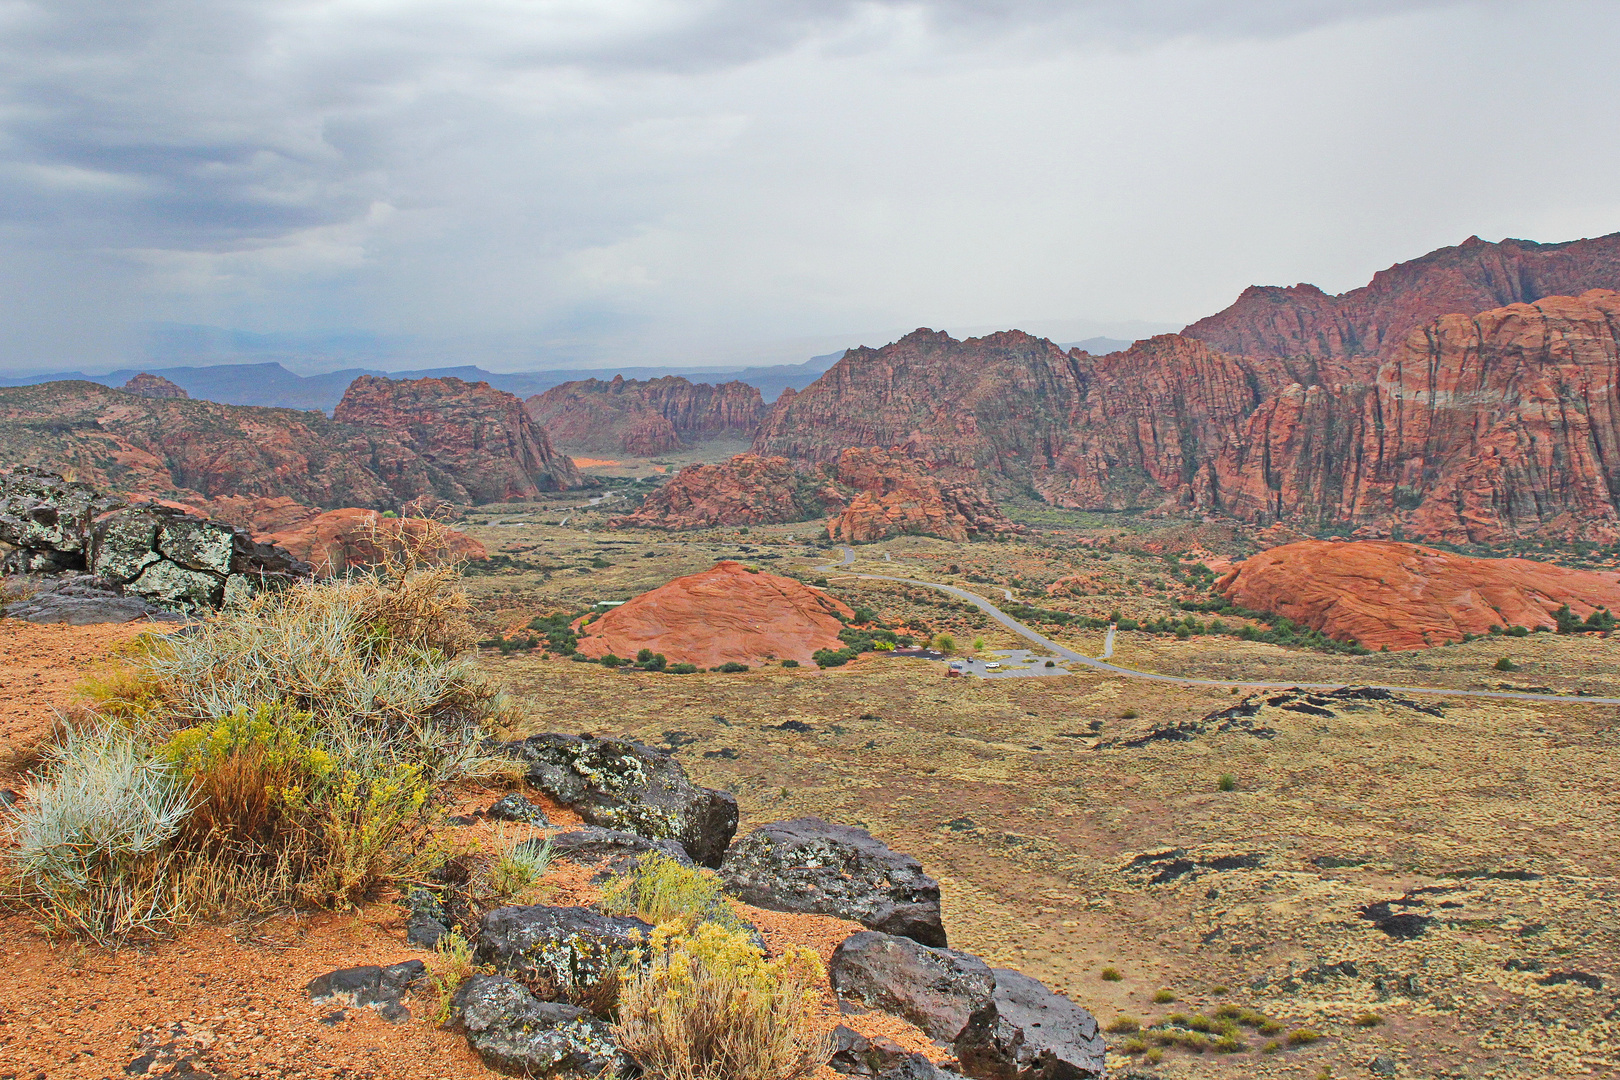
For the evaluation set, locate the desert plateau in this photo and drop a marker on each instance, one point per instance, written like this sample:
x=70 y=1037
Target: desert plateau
x=725 y=541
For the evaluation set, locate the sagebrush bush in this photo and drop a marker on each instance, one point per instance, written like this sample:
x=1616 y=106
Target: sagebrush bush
x=92 y=852
x=301 y=735
x=518 y=867
x=711 y=1007
x=658 y=889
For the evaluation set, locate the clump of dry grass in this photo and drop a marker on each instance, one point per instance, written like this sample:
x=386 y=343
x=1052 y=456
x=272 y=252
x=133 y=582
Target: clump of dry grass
x=711 y=1007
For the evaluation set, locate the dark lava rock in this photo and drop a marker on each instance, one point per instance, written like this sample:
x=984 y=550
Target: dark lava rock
x=856 y=1055
x=379 y=988
x=1382 y=1065
x=424 y=930
x=1036 y=1035
x=1402 y=925
x=515 y=807
x=557 y=951
x=1579 y=978
x=631 y=787
x=516 y=1033
x=942 y=991
x=80 y=600
x=808 y=865
x=593 y=845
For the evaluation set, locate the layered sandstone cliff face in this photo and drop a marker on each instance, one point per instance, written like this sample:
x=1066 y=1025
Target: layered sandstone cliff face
x=1405 y=596
x=645 y=417
x=981 y=409
x=199 y=451
x=481 y=436
x=745 y=490
x=727 y=614
x=1477 y=427
x=1304 y=321
x=895 y=497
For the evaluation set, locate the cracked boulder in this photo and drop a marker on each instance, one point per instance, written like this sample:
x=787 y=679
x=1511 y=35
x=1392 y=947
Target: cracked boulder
x=944 y=992
x=631 y=788
x=571 y=953
x=809 y=865
x=47 y=519
x=183 y=561
x=516 y=1033
x=1034 y=1034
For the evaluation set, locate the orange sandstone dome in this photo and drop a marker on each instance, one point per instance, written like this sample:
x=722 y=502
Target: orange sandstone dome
x=1406 y=596
x=722 y=614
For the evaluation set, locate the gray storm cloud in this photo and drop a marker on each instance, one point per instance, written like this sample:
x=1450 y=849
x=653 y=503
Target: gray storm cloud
x=541 y=181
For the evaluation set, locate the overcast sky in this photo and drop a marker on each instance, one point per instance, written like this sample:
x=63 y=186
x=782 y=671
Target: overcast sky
x=531 y=183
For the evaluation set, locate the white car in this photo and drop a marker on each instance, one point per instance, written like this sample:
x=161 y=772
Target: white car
x=991 y=665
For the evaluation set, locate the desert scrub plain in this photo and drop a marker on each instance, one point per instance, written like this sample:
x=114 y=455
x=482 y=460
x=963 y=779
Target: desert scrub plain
x=1311 y=887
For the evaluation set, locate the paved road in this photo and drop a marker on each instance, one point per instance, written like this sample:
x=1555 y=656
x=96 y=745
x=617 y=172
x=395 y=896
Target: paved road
x=1114 y=669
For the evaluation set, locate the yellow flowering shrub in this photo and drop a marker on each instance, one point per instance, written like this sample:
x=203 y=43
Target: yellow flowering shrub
x=710 y=1006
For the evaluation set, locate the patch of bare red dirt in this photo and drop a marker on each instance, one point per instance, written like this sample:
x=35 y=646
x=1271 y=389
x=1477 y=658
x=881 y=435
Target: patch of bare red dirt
x=1407 y=596
x=724 y=614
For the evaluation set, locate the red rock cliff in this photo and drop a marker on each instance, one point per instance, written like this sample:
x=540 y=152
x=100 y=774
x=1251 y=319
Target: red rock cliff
x=1370 y=321
x=896 y=497
x=746 y=490
x=1405 y=596
x=645 y=417
x=481 y=437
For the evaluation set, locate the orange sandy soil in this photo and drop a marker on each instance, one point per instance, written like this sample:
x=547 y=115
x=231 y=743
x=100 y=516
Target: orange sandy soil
x=231 y=998
x=596 y=463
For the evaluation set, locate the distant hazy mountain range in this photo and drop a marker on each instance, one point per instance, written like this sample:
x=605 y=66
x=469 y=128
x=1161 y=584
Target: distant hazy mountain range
x=272 y=385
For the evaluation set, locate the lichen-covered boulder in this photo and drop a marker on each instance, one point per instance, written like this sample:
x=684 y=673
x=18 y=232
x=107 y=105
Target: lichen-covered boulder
x=372 y=987
x=619 y=849
x=809 y=865
x=562 y=952
x=183 y=561
x=944 y=992
x=45 y=515
x=630 y=787
x=1036 y=1035
x=514 y=807
x=516 y=1033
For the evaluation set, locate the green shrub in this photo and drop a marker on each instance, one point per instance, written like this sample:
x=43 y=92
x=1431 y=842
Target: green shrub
x=659 y=889
x=1303 y=1036
x=945 y=643
x=1506 y=664
x=1110 y=974
x=1133 y=1046
x=518 y=868
x=1163 y=996
x=1368 y=1019
x=711 y=1007
x=731 y=667
x=1225 y=782
x=1125 y=1024
x=790 y=663
x=681 y=669
x=1129 y=714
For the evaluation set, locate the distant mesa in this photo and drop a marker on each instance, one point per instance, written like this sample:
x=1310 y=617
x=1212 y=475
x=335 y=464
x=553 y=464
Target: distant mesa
x=154 y=386
x=1407 y=596
x=870 y=494
x=644 y=418
x=722 y=615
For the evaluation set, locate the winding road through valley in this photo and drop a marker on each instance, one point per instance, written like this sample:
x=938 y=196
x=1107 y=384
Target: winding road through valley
x=848 y=560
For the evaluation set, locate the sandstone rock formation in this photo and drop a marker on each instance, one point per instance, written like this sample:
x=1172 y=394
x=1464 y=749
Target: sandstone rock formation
x=724 y=614
x=481 y=435
x=897 y=498
x=1478 y=427
x=1407 y=596
x=746 y=490
x=153 y=386
x=871 y=494
x=1373 y=320
x=351 y=537
x=645 y=417
x=197 y=451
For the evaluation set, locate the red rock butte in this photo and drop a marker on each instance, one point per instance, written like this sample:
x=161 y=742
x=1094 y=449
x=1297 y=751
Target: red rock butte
x=1406 y=596
x=727 y=613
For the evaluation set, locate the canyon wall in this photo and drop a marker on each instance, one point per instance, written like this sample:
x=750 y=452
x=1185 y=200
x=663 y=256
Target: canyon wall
x=644 y=418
